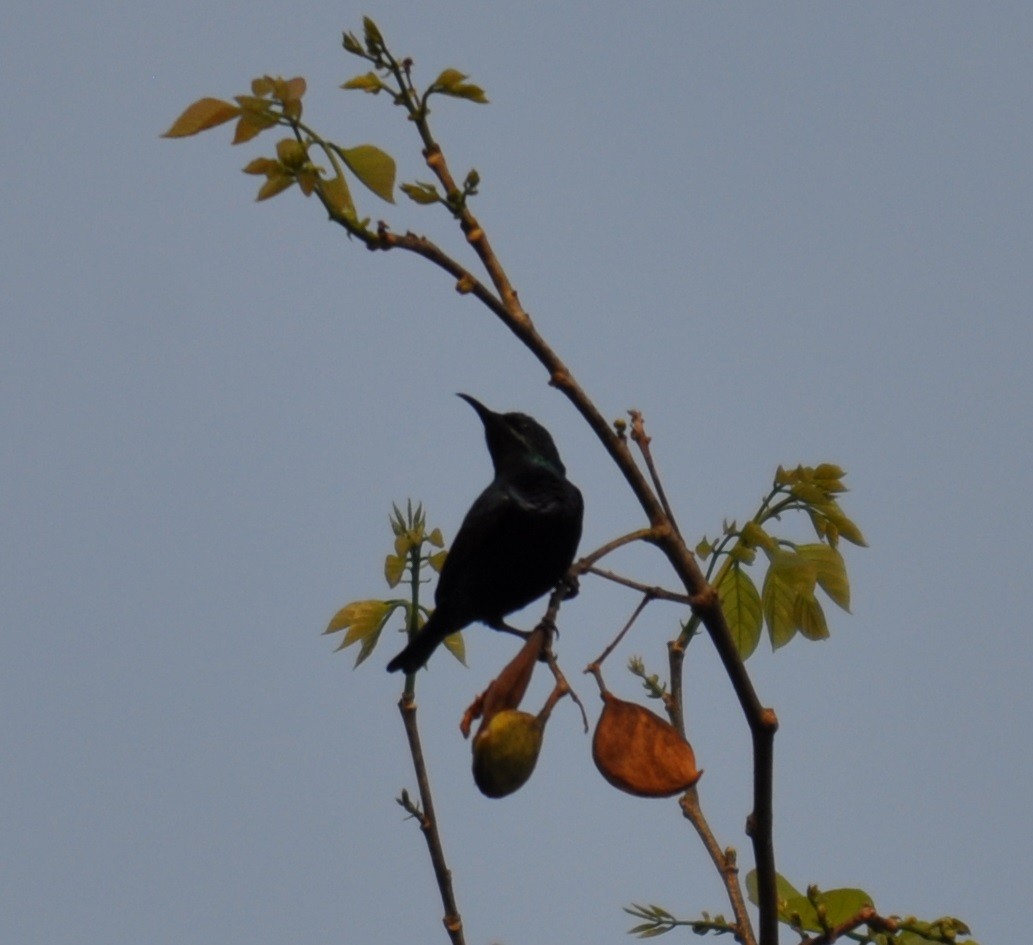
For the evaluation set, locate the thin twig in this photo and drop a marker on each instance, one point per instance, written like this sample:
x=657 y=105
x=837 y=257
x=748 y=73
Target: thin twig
x=659 y=593
x=585 y=563
x=646 y=598
x=642 y=441
x=724 y=860
x=452 y=920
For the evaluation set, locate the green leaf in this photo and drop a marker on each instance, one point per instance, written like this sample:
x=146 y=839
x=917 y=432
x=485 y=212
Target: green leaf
x=704 y=548
x=843 y=904
x=799 y=913
x=795 y=908
x=742 y=609
x=203 y=114
x=831 y=572
x=374 y=168
x=783 y=888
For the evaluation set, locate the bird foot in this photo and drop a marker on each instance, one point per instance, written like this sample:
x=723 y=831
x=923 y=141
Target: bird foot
x=570 y=585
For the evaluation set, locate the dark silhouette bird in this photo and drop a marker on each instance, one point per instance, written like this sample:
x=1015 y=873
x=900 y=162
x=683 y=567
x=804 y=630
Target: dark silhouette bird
x=516 y=542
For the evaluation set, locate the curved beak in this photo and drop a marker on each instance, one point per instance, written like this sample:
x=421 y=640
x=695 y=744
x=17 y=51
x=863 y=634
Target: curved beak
x=483 y=412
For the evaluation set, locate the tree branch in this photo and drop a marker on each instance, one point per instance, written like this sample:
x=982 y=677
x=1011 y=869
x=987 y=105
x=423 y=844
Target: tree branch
x=762 y=721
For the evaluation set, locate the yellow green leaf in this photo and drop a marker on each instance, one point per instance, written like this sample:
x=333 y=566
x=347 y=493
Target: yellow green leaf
x=373 y=167
x=359 y=619
x=471 y=92
x=789 y=575
x=455 y=645
x=810 y=618
x=846 y=528
x=449 y=79
x=394 y=567
x=778 y=598
x=742 y=609
x=829 y=471
x=373 y=36
x=420 y=192
x=266 y=166
x=205 y=113
x=251 y=124
x=370 y=82
x=351 y=44
x=831 y=572
x=753 y=536
x=293 y=89
x=308 y=179
x=274 y=185
x=808 y=493
x=262 y=86
x=742 y=553
x=291 y=152
x=338 y=198
x=437 y=560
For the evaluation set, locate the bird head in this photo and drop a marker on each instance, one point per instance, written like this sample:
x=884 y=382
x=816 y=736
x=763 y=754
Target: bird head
x=515 y=438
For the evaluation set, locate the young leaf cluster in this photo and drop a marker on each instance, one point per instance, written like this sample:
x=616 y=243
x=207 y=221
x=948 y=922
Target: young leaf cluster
x=276 y=102
x=786 y=602
x=414 y=549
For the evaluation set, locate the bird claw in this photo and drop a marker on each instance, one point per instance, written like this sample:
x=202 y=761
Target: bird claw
x=504 y=627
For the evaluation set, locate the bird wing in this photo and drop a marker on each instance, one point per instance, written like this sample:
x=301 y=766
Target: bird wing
x=511 y=548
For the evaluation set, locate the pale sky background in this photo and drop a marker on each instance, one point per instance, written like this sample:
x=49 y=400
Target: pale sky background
x=786 y=232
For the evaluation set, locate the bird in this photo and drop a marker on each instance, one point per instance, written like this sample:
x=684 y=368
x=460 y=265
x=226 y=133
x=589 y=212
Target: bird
x=515 y=543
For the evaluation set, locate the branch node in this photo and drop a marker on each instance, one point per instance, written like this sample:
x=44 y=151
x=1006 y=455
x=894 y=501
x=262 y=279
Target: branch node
x=704 y=600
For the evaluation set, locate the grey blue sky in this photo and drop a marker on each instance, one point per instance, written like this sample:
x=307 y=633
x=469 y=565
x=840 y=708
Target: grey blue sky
x=787 y=232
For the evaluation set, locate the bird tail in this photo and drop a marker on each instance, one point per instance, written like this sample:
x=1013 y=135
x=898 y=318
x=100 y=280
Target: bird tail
x=420 y=647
